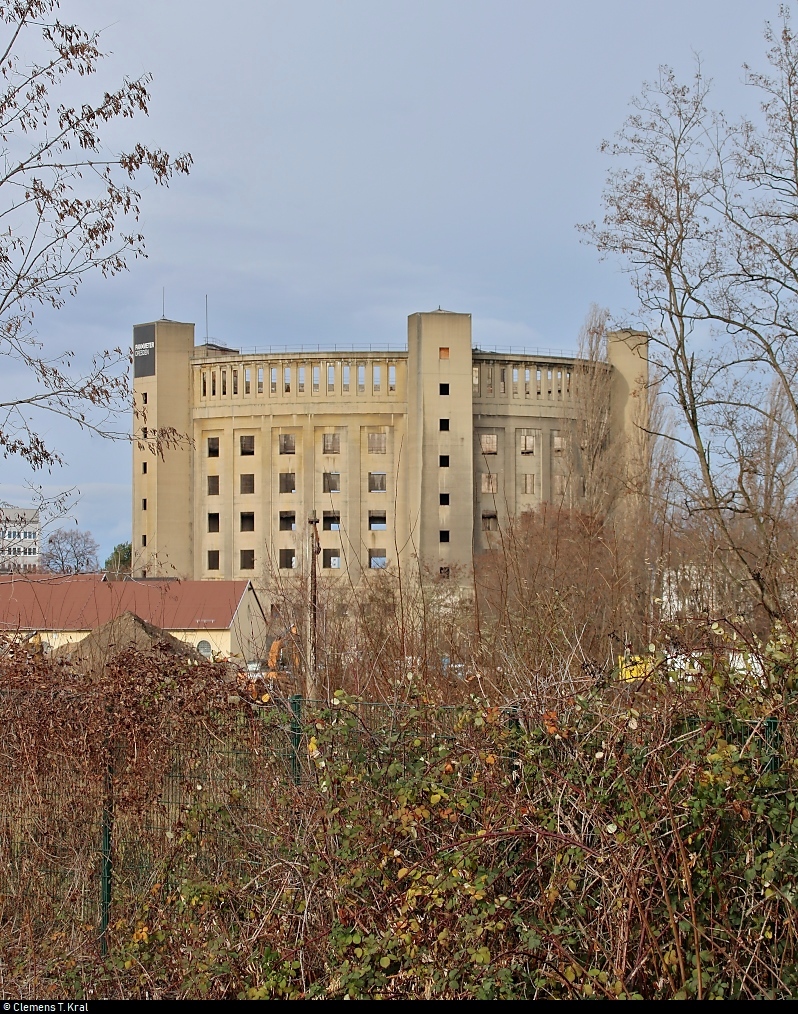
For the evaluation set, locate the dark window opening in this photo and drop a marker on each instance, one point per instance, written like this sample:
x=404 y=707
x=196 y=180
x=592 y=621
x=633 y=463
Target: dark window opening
x=213 y=559
x=444 y=461
x=444 y=499
x=247 y=482
x=247 y=559
x=247 y=521
x=377 y=521
x=444 y=535
x=287 y=443
x=287 y=559
x=331 y=521
x=144 y=468
x=378 y=559
x=247 y=445
x=213 y=485
x=331 y=559
x=287 y=521
x=144 y=504
x=331 y=482
x=378 y=482
x=144 y=398
x=287 y=482
x=213 y=522
x=444 y=572
x=490 y=521
x=331 y=443
x=144 y=540
x=444 y=425
x=444 y=388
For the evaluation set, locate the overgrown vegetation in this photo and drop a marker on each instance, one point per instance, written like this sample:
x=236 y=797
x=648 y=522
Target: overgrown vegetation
x=625 y=841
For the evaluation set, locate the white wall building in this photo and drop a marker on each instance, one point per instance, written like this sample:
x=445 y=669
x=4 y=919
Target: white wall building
x=20 y=539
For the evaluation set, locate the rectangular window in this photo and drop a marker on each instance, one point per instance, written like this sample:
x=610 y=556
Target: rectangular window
x=515 y=381
x=548 y=377
x=330 y=378
x=213 y=522
x=538 y=382
x=331 y=482
x=260 y=380
x=443 y=389
x=490 y=522
x=443 y=352
x=287 y=482
x=557 y=442
x=247 y=559
x=331 y=521
x=287 y=559
x=213 y=383
x=361 y=378
x=444 y=573
x=273 y=380
x=247 y=444
x=331 y=559
x=377 y=482
x=143 y=432
x=300 y=380
x=247 y=482
x=444 y=535
x=331 y=443
x=224 y=382
x=443 y=425
x=444 y=499
x=247 y=381
x=527 y=382
x=378 y=559
x=527 y=442
x=213 y=447
x=377 y=521
x=489 y=380
x=488 y=443
x=391 y=379
x=143 y=542
x=204 y=385
x=378 y=443
x=287 y=443
x=213 y=485
x=287 y=521
x=247 y=521
x=502 y=380
x=316 y=375
x=475 y=379
x=443 y=460
x=235 y=381
x=490 y=483
x=528 y=483
x=560 y=483
x=213 y=559
x=287 y=379
x=376 y=378
x=144 y=468
x=144 y=504
x=345 y=372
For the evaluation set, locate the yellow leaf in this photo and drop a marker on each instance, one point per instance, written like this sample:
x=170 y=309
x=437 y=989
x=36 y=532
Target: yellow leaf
x=434 y=798
x=403 y=872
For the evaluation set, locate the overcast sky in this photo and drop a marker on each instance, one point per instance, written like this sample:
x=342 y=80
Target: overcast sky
x=359 y=160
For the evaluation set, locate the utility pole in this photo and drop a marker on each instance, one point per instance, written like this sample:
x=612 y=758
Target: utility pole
x=311 y=680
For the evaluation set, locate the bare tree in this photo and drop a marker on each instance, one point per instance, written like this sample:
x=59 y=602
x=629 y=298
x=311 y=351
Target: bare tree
x=67 y=208
x=70 y=551
x=704 y=214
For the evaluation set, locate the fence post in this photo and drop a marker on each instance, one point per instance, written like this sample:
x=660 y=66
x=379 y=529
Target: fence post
x=296 y=737
x=105 y=869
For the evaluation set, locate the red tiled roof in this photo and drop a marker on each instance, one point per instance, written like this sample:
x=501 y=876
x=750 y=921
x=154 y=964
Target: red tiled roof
x=86 y=601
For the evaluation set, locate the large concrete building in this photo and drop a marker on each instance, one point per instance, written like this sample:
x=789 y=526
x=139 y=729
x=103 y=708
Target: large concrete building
x=20 y=539
x=418 y=453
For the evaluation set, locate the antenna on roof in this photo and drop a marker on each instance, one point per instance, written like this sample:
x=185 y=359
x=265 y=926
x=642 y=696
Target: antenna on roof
x=206 y=318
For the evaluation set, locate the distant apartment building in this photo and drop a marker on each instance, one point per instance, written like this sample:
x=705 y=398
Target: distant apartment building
x=414 y=454
x=20 y=539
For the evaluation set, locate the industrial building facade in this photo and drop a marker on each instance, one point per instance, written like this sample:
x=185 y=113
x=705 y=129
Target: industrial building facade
x=417 y=454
